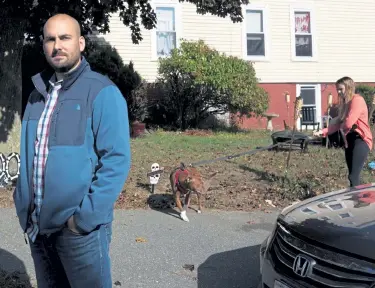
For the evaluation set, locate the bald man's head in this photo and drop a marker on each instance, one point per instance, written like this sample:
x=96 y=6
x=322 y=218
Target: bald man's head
x=63 y=42
x=65 y=17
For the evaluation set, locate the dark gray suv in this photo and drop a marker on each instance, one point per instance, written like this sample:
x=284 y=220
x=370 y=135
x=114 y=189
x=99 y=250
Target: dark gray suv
x=325 y=241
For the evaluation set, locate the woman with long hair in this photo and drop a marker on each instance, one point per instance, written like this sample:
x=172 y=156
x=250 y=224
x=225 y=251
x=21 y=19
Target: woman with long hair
x=353 y=121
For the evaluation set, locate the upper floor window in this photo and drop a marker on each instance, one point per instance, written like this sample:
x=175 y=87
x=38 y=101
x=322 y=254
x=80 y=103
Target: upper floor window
x=165 y=37
x=303 y=41
x=165 y=30
x=255 y=38
x=302 y=28
x=255 y=33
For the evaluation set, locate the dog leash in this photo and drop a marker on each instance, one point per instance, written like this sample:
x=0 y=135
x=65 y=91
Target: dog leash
x=250 y=152
x=198 y=163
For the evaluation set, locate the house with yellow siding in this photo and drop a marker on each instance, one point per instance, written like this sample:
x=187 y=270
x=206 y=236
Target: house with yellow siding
x=296 y=47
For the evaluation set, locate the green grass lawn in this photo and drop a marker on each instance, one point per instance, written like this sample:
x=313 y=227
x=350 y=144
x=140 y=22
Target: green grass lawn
x=242 y=183
x=167 y=147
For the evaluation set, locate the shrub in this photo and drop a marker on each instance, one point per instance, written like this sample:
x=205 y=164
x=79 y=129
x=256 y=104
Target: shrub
x=105 y=59
x=138 y=106
x=367 y=92
x=199 y=82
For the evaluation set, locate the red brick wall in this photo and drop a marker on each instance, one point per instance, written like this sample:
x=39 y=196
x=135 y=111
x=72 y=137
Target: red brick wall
x=277 y=104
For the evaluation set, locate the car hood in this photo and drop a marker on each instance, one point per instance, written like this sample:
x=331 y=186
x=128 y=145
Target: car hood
x=343 y=219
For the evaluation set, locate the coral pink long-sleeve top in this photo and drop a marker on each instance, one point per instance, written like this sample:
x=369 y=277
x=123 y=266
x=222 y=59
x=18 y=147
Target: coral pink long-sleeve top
x=357 y=114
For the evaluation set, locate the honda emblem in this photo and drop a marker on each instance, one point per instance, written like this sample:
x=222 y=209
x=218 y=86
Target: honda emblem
x=302 y=265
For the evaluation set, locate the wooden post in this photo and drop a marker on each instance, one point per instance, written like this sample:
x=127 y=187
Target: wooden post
x=287 y=100
x=297 y=114
x=329 y=105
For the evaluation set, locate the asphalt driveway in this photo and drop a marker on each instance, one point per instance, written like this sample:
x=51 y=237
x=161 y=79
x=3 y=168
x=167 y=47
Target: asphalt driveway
x=222 y=246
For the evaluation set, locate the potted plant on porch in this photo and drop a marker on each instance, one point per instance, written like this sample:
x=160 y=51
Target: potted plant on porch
x=138 y=109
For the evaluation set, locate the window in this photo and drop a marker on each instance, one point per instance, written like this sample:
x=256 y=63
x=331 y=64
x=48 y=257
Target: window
x=311 y=108
x=255 y=33
x=167 y=33
x=302 y=22
x=165 y=30
x=303 y=41
x=308 y=95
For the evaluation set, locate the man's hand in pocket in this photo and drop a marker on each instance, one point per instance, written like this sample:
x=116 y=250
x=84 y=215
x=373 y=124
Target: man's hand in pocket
x=71 y=224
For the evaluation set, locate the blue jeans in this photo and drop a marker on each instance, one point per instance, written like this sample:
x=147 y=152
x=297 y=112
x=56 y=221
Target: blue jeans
x=66 y=259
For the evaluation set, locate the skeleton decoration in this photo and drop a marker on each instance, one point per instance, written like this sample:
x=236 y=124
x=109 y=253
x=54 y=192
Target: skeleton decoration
x=154 y=179
x=5 y=176
x=16 y=156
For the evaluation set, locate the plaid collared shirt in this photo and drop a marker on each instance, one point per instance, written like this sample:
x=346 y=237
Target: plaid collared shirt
x=40 y=157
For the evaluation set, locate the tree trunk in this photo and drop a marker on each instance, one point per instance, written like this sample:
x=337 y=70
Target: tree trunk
x=11 y=43
x=180 y=102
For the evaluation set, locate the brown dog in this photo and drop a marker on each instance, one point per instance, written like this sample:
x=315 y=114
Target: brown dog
x=184 y=181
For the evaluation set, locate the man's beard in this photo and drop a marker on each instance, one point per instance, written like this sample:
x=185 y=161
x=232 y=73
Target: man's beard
x=66 y=67
x=62 y=70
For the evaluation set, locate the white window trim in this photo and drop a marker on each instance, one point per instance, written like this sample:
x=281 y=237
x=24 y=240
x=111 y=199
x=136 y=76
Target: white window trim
x=303 y=8
x=264 y=9
x=178 y=25
x=318 y=104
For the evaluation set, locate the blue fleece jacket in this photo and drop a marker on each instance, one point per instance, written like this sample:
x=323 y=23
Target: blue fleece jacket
x=89 y=151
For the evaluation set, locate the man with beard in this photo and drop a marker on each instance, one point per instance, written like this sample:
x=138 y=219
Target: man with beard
x=75 y=158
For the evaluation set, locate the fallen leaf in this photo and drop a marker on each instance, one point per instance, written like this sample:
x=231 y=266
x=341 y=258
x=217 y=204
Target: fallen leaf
x=189 y=267
x=269 y=202
x=140 y=240
x=117 y=283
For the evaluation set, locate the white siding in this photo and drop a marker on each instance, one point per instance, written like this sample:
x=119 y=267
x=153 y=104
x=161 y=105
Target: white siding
x=345 y=45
